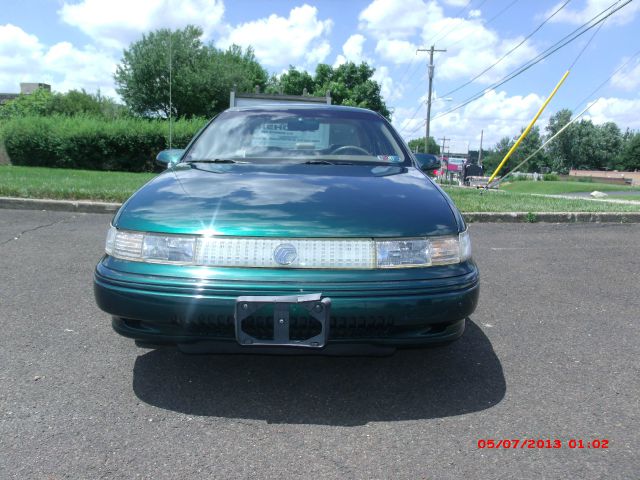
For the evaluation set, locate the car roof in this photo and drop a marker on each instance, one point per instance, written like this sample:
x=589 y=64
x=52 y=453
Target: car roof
x=299 y=106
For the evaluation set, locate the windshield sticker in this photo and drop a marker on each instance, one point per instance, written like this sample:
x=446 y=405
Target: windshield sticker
x=278 y=135
x=389 y=158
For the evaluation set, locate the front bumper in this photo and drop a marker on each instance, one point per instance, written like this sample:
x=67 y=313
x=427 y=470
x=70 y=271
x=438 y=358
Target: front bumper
x=151 y=303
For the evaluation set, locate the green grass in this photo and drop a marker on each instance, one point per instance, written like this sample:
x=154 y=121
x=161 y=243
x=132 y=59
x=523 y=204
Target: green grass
x=59 y=183
x=468 y=200
x=632 y=198
x=560 y=187
x=62 y=183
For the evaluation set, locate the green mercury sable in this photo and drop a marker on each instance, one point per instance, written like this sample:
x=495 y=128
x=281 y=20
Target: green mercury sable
x=289 y=229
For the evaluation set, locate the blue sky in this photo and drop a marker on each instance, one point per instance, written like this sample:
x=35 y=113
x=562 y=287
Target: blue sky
x=78 y=43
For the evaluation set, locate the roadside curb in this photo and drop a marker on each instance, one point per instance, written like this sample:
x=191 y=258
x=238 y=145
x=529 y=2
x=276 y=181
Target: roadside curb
x=88 y=206
x=552 y=217
x=83 y=206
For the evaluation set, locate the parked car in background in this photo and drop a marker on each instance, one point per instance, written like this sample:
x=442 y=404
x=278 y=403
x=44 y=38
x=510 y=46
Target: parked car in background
x=289 y=229
x=428 y=163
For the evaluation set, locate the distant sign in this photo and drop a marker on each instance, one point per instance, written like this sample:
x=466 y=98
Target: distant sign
x=455 y=164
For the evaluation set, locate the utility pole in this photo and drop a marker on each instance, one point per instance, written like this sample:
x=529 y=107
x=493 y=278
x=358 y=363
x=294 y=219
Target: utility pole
x=444 y=165
x=480 y=152
x=430 y=71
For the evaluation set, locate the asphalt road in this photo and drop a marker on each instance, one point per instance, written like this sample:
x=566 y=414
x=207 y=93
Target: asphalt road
x=551 y=353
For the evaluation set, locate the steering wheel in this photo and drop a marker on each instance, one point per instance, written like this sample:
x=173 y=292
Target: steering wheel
x=350 y=147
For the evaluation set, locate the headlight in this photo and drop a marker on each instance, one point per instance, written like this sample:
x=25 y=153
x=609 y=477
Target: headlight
x=150 y=247
x=171 y=248
x=403 y=253
x=290 y=253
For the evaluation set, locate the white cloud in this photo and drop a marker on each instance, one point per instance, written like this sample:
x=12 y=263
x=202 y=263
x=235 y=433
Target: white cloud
x=401 y=26
x=623 y=111
x=629 y=77
x=474 y=48
x=501 y=115
x=389 y=92
x=280 y=41
x=318 y=54
x=397 y=18
x=353 y=51
x=18 y=49
x=590 y=9
x=116 y=23
x=396 y=51
x=23 y=58
x=408 y=125
x=457 y=3
x=87 y=68
x=497 y=113
x=353 y=48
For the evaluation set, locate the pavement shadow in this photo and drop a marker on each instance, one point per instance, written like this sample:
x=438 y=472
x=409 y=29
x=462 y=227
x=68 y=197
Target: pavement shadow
x=463 y=377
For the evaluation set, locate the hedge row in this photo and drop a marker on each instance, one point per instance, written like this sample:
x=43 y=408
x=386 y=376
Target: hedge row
x=127 y=144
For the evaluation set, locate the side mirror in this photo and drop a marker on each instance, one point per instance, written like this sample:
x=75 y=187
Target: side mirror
x=427 y=161
x=167 y=158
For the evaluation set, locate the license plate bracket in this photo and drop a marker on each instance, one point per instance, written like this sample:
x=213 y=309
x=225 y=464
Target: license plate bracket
x=318 y=308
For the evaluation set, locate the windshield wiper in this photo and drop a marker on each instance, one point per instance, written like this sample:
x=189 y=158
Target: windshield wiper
x=214 y=160
x=326 y=162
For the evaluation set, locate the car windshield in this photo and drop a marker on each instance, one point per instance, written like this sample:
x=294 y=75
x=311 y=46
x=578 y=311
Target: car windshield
x=297 y=135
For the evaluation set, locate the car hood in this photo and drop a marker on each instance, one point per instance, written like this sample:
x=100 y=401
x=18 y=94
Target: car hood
x=290 y=201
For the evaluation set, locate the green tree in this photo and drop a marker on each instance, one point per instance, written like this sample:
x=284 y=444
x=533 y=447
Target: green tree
x=79 y=102
x=234 y=68
x=75 y=102
x=630 y=157
x=200 y=76
x=292 y=82
x=530 y=143
x=583 y=145
x=37 y=103
x=560 y=150
x=417 y=145
x=491 y=161
x=610 y=144
x=349 y=84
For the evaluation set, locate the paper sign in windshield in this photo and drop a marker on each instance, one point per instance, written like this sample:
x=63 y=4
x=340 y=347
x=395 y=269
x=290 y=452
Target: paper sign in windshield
x=277 y=135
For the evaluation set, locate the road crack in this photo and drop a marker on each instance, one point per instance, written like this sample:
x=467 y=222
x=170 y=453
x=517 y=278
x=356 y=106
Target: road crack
x=39 y=227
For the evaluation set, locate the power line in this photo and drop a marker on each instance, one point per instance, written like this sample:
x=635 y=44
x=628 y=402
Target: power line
x=497 y=15
x=451 y=31
x=586 y=45
x=455 y=15
x=591 y=94
x=510 y=51
x=588 y=107
x=549 y=140
x=420 y=105
x=456 y=19
x=526 y=66
x=607 y=80
x=464 y=7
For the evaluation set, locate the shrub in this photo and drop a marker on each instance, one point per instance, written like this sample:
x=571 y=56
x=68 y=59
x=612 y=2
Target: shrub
x=127 y=144
x=550 y=177
x=585 y=179
x=518 y=178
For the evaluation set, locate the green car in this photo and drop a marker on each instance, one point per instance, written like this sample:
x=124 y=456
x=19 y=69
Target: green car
x=289 y=229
